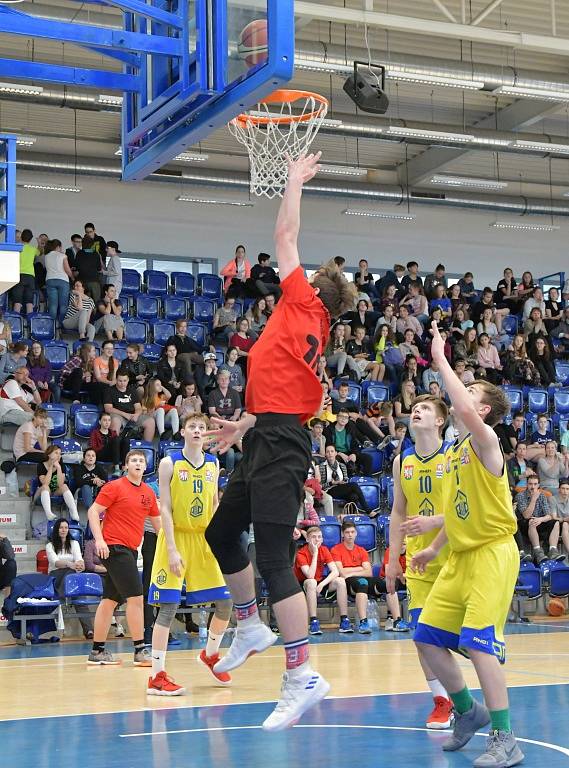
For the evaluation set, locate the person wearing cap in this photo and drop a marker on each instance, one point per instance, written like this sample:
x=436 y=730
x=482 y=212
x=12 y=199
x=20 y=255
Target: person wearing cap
x=112 y=273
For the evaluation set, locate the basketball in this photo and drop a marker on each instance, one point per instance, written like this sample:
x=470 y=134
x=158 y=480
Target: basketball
x=253 y=43
x=556 y=607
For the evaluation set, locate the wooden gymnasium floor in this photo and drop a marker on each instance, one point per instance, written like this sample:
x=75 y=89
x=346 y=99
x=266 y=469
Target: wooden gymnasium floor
x=56 y=711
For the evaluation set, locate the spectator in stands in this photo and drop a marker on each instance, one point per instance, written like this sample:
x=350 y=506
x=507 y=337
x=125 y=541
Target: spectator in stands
x=23 y=291
x=79 y=312
x=441 y=300
x=99 y=244
x=525 y=288
x=433 y=279
x=317 y=441
x=235 y=273
x=31 y=438
x=89 y=267
x=518 y=368
x=108 y=316
x=408 y=346
x=41 y=374
x=270 y=302
x=321 y=372
x=560 y=509
x=561 y=331
x=354 y=566
x=536 y=522
x=391 y=277
x=464 y=374
x=412 y=277
x=224 y=320
x=89 y=476
x=188 y=352
x=171 y=371
x=8 y=566
x=394 y=622
x=506 y=293
x=225 y=403
x=105 y=367
x=123 y=406
x=137 y=366
x=155 y=404
x=231 y=364
x=411 y=371
x=242 y=342
x=535 y=300
x=343 y=435
x=310 y=561
x=519 y=469
x=189 y=401
x=77 y=374
x=112 y=273
x=383 y=341
x=417 y=303
x=18 y=398
x=360 y=350
x=58 y=274
x=508 y=436
x=405 y=321
x=334 y=480
x=362 y=316
x=336 y=355
x=380 y=417
x=551 y=467
x=467 y=289
x=460 y=324
x=5 y=334
x=64 y=557
x=72 y=253
x=553 y=309
x=565 y=290
x=431 y=375
x=389 y=318
x=51 y=479
x=105 y=442
x=263 y=278
x=488 y=326
x=487 y=302
x=206 y=375
x=534 y=327
x=540 y=356
x=256 y=317
x=16 y=357
x=364 y=279
x=403 y=402
x=539 y=437
x=489 y=360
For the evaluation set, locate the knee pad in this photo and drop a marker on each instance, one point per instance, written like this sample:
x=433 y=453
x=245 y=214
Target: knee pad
x=223 y=609
x=360 y=584
x=166 y=614
x=279 y=578
x=229 y=555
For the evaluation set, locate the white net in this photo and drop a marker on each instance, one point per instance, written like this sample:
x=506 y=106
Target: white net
x=275 y=129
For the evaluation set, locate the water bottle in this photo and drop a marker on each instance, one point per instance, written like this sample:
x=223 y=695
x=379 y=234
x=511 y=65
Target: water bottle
x=202 y=624
x=12 y=483
x=372 y=616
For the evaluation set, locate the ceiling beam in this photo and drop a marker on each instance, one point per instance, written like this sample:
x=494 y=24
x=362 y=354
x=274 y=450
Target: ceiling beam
x=417 y=26
x=486 y=12
x=445 y=11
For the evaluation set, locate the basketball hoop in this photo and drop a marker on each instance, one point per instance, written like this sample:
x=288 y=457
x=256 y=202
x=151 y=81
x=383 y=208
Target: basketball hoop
x=273 y=130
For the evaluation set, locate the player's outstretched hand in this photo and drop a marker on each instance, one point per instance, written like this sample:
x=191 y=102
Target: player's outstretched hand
x=416 y=526
x=421 y=559
x=437 y=344
x=175 y=563
x=303 y=169
x=225 y=435
x=393 y=571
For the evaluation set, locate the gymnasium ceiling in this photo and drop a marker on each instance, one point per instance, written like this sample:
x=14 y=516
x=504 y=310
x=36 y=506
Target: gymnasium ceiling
x=512 y=41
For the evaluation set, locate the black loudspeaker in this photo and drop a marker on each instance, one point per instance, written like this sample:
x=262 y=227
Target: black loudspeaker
x=366 y=89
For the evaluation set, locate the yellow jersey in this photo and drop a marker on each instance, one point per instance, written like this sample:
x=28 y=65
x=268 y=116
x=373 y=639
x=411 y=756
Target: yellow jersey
x=422 y=479
x=192 y=490
x=478 y=505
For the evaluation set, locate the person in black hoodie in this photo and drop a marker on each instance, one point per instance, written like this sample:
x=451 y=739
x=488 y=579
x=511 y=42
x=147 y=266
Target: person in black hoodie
x=89 y=476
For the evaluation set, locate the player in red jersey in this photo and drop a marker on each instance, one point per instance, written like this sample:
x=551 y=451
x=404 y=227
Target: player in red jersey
x=283 y=392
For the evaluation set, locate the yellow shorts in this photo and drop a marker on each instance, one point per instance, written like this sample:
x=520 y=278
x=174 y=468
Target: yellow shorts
x=469 y=602
x=418 y=590
x=202 y=576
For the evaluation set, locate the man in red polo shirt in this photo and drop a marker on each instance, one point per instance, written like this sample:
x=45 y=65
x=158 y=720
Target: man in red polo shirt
x=125 y=504
x=266 y=489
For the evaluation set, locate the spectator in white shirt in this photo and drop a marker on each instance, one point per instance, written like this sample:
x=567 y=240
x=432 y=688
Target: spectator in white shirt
x=30 y=440
x=16 y=397
x=536 y=300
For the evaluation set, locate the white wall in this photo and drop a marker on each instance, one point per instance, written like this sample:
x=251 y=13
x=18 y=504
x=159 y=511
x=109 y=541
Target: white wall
x=146 y=218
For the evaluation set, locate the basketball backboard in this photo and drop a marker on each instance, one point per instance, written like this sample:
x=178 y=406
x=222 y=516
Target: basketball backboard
x=217 y=73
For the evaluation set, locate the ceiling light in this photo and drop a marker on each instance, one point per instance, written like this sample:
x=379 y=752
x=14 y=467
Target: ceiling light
x=532 y=93
x=331 y=123
x=377 y=214
x=51 y=187
x=106 y=98
x=542 y=146
x=184 y=157
x=427 y=79
x=465 y=181
x=491 y=141
x=207 y=201
x=323 y=66
x=25 y=141
x=419 y=133
x=516 y=225
x=19 y=88
x=342 y=170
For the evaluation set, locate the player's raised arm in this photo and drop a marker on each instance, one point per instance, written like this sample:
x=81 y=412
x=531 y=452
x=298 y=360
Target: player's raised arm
x=288 y=220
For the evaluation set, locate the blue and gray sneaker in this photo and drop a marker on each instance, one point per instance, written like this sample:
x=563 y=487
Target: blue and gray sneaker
x=345 y=627
x=399 y=625
x=364 y=628
x=314 y=628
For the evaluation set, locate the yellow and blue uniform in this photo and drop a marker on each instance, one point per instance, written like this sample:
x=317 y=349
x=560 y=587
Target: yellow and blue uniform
x=422 y=480
x=469 y=603
x=192 y=491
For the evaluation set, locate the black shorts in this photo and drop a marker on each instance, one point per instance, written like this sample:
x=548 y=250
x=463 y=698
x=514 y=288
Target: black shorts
x=328 y=594
x=375 y=585
x=23 y=292
x=122 y=579
x=268 y=484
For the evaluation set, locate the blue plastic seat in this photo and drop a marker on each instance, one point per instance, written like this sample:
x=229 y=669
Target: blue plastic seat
x=183 y=284
x=16 y=323
x=152 y=352
x=84 y=422
x=58 y=416
x=202 y=310
x=167 y=447
x=79 y=342
x=149 y=451
x=331 y=531
x=559 y=581
x=366 y=530
x=83 y=588
x=147 y=307
x=370 y=490
x=156 y=282
x=515 y=397
x=198 y=332
x=354 y=390
x=68 y=445
x=136 y=331
x=161 y=331
x=510 y=325
x=130 y=282
x=120 y=351
x=377 y=393
x=530 y=580
x=57 y=352
x=561 y=369
x=127 y=304
x=561 y=402
x=210 y=286
x=538 y=400
x=377 y=458
x=174 y=307
x=42 y=327
x=382 y=522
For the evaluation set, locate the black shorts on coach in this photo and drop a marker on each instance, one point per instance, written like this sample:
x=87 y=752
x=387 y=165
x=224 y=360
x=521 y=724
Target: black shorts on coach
x=122 y=579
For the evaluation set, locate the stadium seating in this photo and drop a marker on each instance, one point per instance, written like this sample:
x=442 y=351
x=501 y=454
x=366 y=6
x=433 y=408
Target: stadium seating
x=183 y=284
x=515 y=397
x=538 y=400
x=561 y=402
x=354 y=390
x=152 y=352
x=16 y=323
x=85 y=421
x=57 y=352
x=510 y=325
x=161 y=332
x=370 y=489
x=130 y=282
x=367 y=531
x=377 y=393
x=42 y=327
x=58 y=415
x=559 y=581
x=136 y=331
x=331 y=531
x=202 y=310
x=147 y=307
x=156 y=282
x=174 y=307
x=210 y=286
x=198 y=332
x=83 y=589
x=562 y=371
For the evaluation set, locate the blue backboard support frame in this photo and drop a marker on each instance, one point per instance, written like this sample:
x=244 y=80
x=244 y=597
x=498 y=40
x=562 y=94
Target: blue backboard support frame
x=8 y=192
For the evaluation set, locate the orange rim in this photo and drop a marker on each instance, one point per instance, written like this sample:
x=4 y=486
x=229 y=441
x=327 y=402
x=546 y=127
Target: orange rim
x=284 y=96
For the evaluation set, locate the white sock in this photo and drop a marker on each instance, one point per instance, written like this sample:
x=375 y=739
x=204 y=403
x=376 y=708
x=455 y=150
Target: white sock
x=45 y=499
x=158 y=662
x=213 y=643
x=437 y=689
x=300 y=671
x=71 y=506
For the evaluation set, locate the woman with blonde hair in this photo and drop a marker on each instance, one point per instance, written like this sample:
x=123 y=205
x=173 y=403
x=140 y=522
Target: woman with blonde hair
x=155 y=403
